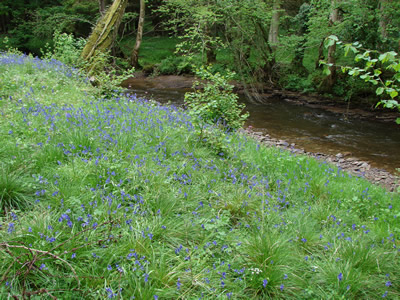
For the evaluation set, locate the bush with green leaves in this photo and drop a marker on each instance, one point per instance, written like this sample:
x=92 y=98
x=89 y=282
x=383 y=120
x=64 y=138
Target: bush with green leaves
x=214 y=101
x=380 y=69
x=66 y=48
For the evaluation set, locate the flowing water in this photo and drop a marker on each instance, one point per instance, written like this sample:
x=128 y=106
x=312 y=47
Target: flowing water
x=315 y=130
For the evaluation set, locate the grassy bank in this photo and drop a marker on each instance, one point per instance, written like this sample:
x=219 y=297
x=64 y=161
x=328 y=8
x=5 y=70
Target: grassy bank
x=121 y=198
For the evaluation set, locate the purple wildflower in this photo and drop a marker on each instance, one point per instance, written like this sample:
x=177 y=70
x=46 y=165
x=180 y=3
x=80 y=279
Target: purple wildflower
x=340 y=276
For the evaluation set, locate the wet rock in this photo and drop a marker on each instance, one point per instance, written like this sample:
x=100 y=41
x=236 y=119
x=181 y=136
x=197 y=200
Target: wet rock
x=339 y=155
x=283 y=143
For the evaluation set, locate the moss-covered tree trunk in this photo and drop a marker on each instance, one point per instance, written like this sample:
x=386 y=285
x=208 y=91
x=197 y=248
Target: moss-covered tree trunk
x=333 y=19
x=139 y=35
x=105 y=31
x=274 y=28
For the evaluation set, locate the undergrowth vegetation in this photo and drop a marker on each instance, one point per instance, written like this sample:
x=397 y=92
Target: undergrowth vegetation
x=122 y=198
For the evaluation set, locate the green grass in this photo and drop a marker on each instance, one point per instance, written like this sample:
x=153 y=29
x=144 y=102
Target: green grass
x=152 y=50
x=128 y=201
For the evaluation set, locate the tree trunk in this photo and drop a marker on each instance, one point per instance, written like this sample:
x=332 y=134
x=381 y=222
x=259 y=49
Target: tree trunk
x=268 y=53
x=102 y=6
x=139 y=35
x=333 y=18
x=383 y=19
x=320 y=54
x=274 y=28
x=104 y=33
x=211 y=55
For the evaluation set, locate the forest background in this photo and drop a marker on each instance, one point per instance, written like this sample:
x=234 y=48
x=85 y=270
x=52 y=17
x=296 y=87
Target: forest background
x=279 y=43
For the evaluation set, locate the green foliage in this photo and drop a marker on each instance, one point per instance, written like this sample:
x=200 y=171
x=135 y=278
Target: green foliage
x=99 y=69
x=297 y=82
x=65 y=48
x=6 y=46
x=33 y=23
x=245 y=32
x=195 y=23
x=215 y=102
x=104 y=75
x=379 y=69
x=175 y=65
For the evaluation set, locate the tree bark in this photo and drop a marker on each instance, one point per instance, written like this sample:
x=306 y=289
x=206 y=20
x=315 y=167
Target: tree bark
x=383 y=19
x=274 y=28
x=139 y=35
x=104 y=33
x=211 y=55
x=333 y=18
x=320 y=54
x=102 y=7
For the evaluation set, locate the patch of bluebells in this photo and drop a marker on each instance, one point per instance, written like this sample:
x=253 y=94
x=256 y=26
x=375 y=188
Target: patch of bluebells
x=39 y=64
x=133 y=133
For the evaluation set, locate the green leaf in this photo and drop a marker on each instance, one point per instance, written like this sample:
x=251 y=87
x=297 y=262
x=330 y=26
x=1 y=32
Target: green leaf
x=374 y=82
x=358 y=57
x=379 y=90
x=393 y=94
x=333 y=37
x=326 y=71
x=388 y=56
x=398 y=121
x=382 y=57
x=330 y=41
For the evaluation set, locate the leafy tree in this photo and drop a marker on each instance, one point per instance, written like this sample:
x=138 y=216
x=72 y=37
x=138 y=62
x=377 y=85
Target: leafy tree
x=214 y=102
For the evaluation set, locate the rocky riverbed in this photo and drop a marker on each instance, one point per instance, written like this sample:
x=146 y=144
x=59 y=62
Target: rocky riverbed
x=344 y=160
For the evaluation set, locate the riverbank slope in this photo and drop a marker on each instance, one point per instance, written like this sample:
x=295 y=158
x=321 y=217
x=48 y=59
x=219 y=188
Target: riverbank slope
x=129 y=192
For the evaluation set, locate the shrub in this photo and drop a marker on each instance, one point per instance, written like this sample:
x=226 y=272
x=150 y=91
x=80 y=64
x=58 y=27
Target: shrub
x=215 y=103
x=65 y=48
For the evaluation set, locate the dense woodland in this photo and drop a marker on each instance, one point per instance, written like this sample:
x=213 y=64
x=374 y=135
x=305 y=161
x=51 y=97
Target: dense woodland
x=268 y=41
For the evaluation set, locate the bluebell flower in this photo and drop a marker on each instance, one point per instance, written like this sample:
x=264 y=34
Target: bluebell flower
x=340 y=276
x=265 y=282
x=178 y=284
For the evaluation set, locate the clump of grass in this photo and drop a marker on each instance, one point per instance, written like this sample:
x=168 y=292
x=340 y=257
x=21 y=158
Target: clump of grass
x=127 y=201
x=16 y=190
